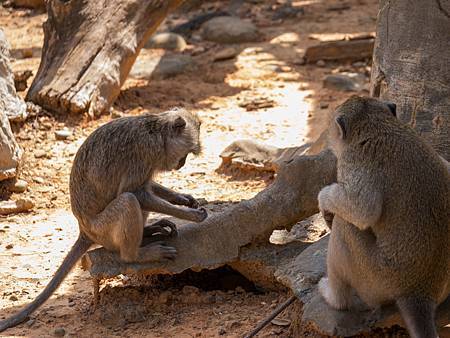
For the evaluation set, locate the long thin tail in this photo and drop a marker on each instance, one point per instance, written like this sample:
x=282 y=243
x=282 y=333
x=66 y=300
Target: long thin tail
x=78 y=249
x=419 y=316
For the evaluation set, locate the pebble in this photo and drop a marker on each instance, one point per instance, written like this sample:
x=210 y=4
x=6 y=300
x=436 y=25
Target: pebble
x=13 y=298
x=167 y=41
x=62 y=134
x=19 y=186
x=9 y=246
x=323 y=105
x=228 y=29
x=225 y=54
x=12 y=207
x=222 y=331
x=40 y=153
x=38 y=179
x=59 y=332
x=343 y=82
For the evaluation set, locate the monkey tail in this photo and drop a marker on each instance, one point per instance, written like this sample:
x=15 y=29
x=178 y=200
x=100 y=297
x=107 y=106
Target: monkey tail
x=418 y=312
x=80 y=247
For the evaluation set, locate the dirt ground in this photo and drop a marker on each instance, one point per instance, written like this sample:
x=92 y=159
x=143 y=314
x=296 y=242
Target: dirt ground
x=199 y=305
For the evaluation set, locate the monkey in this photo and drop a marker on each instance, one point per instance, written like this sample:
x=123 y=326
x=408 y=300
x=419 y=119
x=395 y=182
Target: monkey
x=389 y=239
x=112 y=191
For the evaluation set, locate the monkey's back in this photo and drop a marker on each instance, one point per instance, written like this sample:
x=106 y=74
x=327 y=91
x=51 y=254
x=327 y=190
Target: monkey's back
x=412 y=235
x=116 y=157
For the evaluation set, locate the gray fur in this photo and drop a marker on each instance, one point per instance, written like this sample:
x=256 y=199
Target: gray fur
x=390 y=234
x=112 y=191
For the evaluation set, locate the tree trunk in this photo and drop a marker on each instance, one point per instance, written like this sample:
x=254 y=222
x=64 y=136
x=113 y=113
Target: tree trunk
x=89 y=48
x=411 y=65
x=11 y=105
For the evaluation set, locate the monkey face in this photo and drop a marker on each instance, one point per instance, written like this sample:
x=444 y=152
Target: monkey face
x=181 y=162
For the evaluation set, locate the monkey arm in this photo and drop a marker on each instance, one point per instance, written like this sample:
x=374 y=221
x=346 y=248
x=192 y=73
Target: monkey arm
x=150 y=202
x=362 y=209
x=173 y=196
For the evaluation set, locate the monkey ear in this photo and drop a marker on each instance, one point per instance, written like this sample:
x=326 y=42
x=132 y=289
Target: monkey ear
x=179 y=124
x=392 y=107
x=342 y=126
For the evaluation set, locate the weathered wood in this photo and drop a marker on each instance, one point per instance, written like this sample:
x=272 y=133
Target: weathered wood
x=411 y=65
x=340 y=50
x=89 y=48
x=11 y=105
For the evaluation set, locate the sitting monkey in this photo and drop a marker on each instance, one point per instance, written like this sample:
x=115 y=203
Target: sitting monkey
x=390 y=236
x=112 y=191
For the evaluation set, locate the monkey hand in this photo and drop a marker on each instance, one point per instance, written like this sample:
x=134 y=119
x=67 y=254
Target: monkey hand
x=325 y=198
x=199 y=215
x=328 y=217
x=188 y=200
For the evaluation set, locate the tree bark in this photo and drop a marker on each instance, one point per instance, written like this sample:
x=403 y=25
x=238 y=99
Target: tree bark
x=11 y=105
x=89 y=48
x=411 y=65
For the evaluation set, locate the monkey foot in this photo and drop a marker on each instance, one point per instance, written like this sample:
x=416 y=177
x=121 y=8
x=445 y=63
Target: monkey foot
x=158 y=231
x=157 y=251
x=337 y=299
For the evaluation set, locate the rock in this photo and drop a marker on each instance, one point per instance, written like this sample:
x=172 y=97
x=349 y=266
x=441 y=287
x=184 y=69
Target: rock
x=13 y=298
x=323 y=105
x=40 y=153
x=225 y=54
x=168 y=66
x=11 y=207
x=19 y=186
x=168 y=41
x=38 y=179
x=222 y=331
x=9 y=246
x=62 y=134
x=59 y=332
x=347 y=82
x=228 y=29
x=171 y=66
x=341 y=50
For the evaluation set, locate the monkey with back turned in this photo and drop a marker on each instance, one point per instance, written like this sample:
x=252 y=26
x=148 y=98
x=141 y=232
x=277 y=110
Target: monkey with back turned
x=112 y=190
x=390 y=235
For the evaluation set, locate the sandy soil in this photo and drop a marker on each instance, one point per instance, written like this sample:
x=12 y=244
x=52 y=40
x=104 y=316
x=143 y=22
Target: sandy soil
x=33 y=244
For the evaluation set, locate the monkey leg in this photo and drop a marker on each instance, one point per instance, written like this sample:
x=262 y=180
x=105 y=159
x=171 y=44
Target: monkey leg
x=174 y=197
x=119 y=227
x=150 y=202
x=337 y=288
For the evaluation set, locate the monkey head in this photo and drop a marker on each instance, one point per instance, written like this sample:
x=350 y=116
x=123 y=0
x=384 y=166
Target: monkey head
x=357 y=119
x=182 y=137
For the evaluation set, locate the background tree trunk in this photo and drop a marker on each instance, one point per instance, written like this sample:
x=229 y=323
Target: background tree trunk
x=411 y=65
x=11 y=105
x=89 y=48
